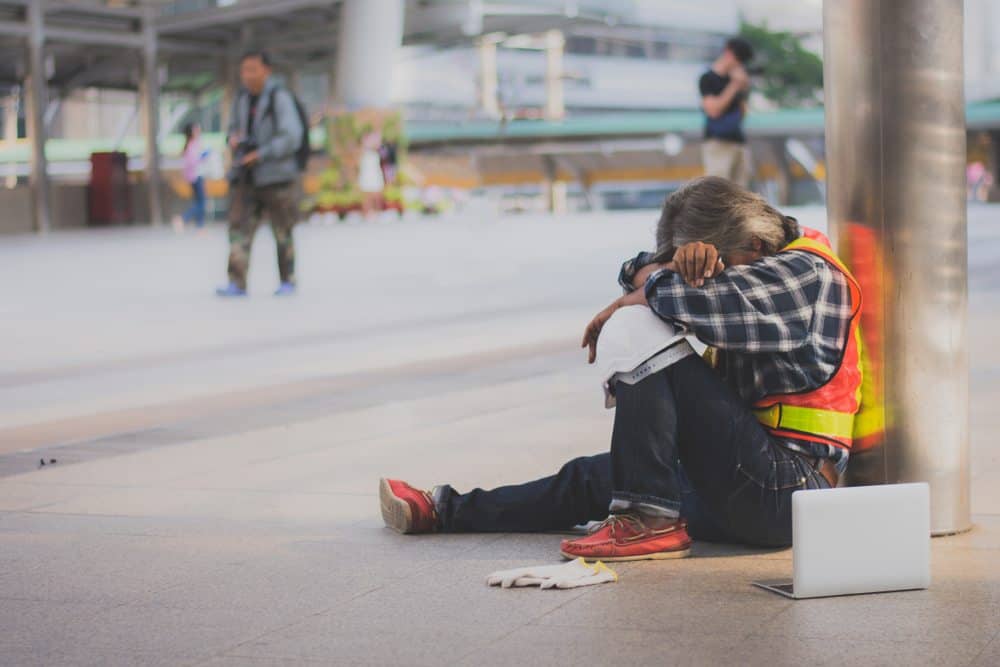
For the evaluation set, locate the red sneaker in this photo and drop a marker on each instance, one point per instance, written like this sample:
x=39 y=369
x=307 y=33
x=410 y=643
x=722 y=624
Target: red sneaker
x=406 y=509
x=626 y=537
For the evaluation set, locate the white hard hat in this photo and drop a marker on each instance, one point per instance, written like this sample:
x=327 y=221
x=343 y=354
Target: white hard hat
x=632 y=336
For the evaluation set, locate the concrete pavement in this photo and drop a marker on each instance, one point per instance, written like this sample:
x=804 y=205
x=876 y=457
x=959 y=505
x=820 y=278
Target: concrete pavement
x=214 y=496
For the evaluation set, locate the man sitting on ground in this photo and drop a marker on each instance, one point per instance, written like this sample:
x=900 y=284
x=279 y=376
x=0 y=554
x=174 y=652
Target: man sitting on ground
x=712 y=453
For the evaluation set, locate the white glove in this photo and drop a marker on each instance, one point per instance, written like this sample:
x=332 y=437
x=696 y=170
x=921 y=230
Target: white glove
x=601 y=574
x=567 y=575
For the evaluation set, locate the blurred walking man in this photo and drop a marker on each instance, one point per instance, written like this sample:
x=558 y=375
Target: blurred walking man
x=265 y=133
x=724 y=89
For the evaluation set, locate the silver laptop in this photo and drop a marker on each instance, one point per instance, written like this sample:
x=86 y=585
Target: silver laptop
x=864 y=539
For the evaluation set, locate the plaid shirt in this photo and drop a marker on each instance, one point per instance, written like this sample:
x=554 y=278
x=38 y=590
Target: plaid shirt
x=780 y=325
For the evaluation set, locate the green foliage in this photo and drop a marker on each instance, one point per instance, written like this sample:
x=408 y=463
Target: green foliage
x=792 y=75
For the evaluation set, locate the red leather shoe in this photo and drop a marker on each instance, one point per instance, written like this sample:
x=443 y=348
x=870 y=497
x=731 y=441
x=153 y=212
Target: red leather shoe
x=406 y=509
x=627 y=537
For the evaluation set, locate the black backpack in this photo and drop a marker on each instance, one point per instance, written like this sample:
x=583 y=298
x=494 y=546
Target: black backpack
x=302 y=152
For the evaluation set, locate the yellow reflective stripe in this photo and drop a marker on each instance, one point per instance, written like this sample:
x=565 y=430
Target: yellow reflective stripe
x=807 y=420
x=869 y=421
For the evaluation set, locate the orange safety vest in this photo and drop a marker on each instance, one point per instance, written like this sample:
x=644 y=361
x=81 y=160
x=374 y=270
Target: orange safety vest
x=826 y=413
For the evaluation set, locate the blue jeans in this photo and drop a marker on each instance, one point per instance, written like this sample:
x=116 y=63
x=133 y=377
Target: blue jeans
x=196 y=211
x=682 y=443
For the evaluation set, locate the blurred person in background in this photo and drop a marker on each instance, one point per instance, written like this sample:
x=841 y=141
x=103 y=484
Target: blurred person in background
x=978 y=181
x=724 y=90
x=194 y=157
x=371 y=178
x=265 y=134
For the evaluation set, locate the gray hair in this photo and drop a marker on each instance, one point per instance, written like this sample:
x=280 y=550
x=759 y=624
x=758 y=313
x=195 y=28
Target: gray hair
x=717 y=211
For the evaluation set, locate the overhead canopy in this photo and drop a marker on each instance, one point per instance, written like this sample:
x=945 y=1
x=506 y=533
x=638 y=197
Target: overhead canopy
x=97 y=42
x=93 y=43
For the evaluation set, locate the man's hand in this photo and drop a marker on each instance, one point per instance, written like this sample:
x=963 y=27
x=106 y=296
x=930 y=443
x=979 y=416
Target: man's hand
x=250 y=158
x=738 y=75
x=593 y=330
x=696 y=262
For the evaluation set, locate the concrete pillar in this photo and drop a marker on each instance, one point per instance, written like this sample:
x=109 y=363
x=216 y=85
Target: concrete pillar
x=371 y=32
x=555 y=190
x=150 y=93
x=10 y=118
x=489 y=101
x=36 y=89
x=784 y=179
x=895 y=139
x=230 y=74
x=555 y=105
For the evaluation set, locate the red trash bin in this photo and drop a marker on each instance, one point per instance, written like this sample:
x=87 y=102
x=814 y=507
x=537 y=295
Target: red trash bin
x=108 y=196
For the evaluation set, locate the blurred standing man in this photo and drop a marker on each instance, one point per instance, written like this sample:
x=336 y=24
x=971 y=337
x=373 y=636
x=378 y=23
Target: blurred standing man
x=724 y=90
x=265 y=133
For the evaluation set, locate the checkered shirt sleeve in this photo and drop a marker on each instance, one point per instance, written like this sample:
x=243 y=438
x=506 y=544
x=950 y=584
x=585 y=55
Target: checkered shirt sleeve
x=780 y=322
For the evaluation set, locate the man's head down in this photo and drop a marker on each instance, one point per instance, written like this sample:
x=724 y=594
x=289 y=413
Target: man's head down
x=740 y=224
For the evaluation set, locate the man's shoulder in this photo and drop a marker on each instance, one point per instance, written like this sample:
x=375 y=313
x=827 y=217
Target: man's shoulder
x=803 y=262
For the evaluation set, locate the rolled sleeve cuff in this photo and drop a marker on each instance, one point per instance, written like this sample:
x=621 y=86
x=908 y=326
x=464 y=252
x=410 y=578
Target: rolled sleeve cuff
x=651 y=281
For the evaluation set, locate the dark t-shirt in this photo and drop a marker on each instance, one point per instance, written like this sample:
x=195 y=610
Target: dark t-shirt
x=252 y=115
x=728 y=126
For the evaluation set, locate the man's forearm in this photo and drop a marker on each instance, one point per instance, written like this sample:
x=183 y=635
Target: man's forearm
x=715 y=105
x=634 y=298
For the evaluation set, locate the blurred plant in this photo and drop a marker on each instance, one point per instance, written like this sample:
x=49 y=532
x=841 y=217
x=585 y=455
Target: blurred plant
x=791 y=75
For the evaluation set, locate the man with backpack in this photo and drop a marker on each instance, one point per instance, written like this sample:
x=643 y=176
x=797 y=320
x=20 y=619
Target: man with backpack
x=268 y=134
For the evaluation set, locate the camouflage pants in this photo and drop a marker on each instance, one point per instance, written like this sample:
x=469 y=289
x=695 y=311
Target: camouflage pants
x=247 y=204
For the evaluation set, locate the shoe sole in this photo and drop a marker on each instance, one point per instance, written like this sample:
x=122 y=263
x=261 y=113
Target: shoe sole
x=395 y=511
x=659 y=555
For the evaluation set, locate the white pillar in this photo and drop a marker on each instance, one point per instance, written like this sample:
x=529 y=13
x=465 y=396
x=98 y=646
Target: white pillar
x=489 y=103
x=555 y=190
x=555 y=106
x=36 y=89
x=150 y=87
x=371 y=32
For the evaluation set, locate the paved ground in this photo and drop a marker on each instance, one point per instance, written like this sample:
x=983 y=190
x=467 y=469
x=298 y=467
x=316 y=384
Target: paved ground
x=213 y=499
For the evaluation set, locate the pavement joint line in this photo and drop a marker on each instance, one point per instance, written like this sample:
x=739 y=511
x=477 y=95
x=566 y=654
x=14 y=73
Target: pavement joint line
x=214 y=352
x=990 y=642
x=787 y=605
x=178 y=413
x=529 y=623
x=305 y=617
x=192 y=435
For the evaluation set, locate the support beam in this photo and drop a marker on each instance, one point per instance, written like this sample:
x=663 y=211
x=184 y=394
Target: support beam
x=555 y=105
x=36 y=89
x=51 y=111
x=555 y=190
x=994 y=166
x=10 y=118
x=150 y=92
x=237 y=13
x=231 y=74
x=73 y=35
x=895 y=126
x=489 y=102
x=93 y=9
